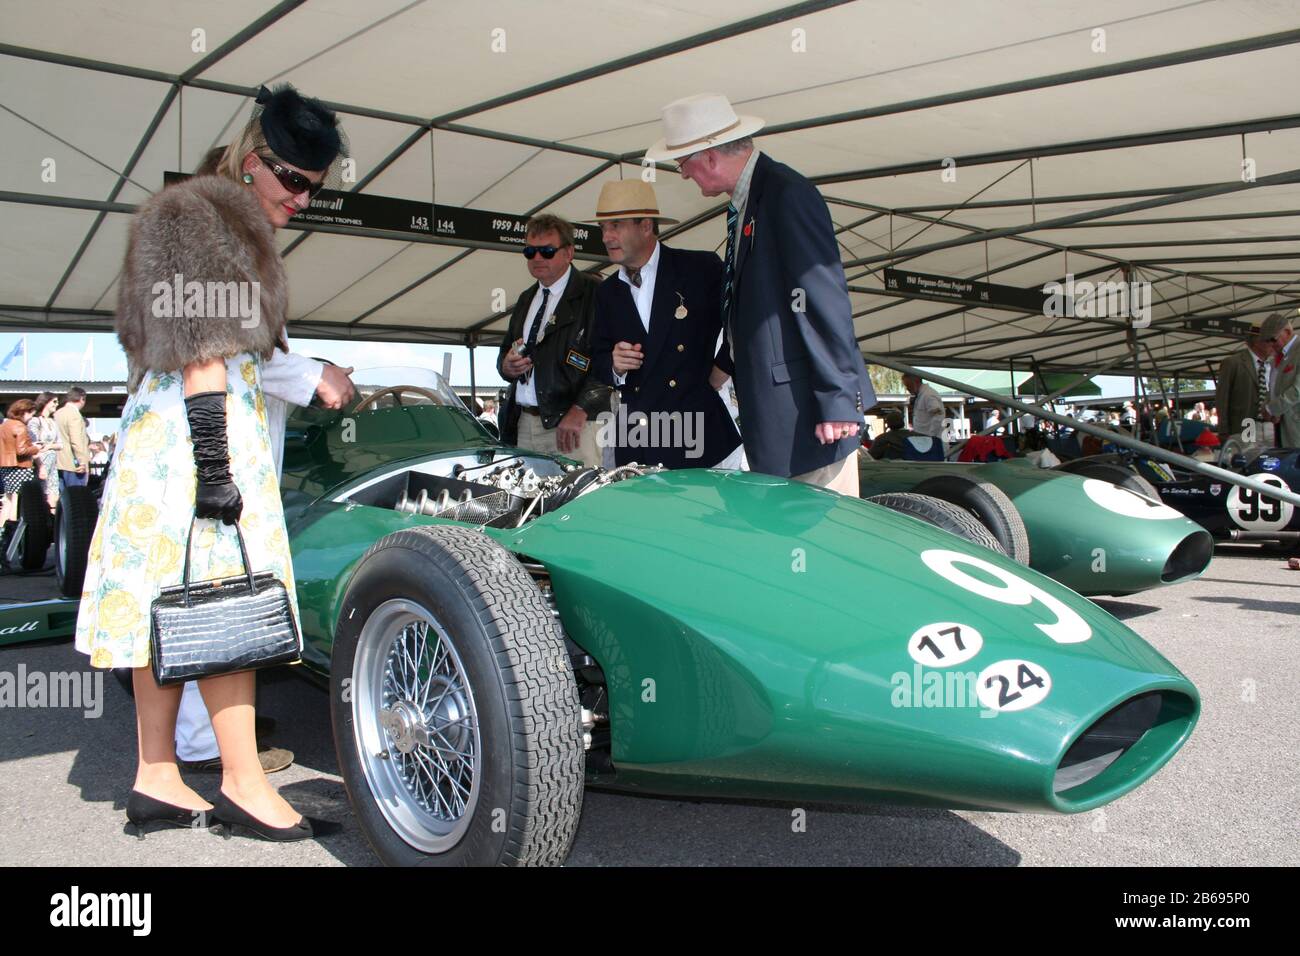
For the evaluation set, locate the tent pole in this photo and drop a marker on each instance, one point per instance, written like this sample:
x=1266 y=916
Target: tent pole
x=473 y=381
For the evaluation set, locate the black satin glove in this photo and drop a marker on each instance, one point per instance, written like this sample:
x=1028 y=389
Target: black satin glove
x=215 y=495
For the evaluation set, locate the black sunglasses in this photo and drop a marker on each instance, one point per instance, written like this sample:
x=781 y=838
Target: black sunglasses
x=548 y=252
x=292 y=180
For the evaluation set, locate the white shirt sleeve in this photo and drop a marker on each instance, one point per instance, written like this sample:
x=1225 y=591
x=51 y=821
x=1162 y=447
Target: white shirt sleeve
x=291 y=377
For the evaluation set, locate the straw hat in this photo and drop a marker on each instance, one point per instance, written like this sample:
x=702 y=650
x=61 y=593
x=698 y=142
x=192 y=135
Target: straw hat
x=700 y=122
x=628 y=199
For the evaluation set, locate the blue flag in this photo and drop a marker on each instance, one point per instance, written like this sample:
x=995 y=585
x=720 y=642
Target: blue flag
x=16 y=351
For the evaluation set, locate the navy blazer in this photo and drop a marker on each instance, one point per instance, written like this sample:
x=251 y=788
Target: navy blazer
x=797 y=361
x=678 y=355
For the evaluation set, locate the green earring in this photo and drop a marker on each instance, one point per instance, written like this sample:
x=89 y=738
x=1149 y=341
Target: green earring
x=248 y=178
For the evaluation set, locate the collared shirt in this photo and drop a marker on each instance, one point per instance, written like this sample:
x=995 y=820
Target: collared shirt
x=287 y=379
x=526 y=390
x=643 y=297
x=927 y=412
x=740 y=196
x=740 y=199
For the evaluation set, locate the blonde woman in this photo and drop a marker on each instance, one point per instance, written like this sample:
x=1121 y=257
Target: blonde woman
x=194 y=442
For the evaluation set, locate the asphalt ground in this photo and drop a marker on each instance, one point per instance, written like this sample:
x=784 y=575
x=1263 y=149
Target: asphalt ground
x=1229 y=797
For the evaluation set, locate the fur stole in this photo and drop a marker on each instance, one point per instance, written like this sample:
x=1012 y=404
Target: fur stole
x=231 y=295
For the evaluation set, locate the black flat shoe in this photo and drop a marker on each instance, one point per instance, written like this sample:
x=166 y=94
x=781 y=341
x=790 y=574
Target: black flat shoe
x=145 y=814
x=238 y=821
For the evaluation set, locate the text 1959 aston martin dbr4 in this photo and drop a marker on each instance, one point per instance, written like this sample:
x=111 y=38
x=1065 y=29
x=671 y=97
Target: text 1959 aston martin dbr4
x=497 y=625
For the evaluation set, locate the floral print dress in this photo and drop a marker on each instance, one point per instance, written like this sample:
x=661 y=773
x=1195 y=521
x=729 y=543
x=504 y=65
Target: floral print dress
x=138 y=546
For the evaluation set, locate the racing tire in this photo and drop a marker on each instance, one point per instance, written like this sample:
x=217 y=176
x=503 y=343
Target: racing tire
x=454 y=707
x=34 y=510
x=74 y=526
x=942 y=515
x=990 y=506
x=1115 y=474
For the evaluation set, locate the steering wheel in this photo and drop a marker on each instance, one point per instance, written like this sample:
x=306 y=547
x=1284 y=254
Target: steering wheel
x=396 y=390
x=1231 y=448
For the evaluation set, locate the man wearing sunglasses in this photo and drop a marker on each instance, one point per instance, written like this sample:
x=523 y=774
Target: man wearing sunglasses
x=552 y=403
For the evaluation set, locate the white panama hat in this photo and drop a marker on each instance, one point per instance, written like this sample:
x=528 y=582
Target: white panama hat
x=700 y=122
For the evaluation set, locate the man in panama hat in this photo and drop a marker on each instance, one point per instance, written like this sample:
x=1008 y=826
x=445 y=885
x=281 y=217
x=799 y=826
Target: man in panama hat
x=801 y=380
x=658 y=324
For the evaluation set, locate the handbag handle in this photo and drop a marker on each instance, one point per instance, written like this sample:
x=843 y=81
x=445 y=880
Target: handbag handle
x=243 y=554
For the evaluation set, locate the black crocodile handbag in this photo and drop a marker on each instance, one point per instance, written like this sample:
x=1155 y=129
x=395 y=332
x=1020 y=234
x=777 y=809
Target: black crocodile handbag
x=207 y=628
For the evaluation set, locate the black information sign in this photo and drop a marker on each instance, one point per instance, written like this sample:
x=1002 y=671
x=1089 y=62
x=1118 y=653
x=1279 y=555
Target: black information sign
x=482 y=226
x=1217 y=323
x=364 y=211
x=950 y=289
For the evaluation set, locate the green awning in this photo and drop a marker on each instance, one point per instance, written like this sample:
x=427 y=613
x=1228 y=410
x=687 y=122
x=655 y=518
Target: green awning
x=998 y=381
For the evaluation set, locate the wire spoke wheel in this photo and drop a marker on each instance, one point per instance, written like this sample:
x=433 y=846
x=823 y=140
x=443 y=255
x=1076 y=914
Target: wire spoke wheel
x=416 y=725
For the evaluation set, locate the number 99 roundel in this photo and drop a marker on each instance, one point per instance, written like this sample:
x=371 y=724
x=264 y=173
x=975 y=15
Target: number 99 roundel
x=1252 y=511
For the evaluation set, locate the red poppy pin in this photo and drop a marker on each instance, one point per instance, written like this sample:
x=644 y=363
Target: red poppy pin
x=749 y=228
x=1289 y=368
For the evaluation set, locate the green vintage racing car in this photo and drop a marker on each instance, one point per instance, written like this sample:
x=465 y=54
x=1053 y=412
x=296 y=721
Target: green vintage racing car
x=1096 y=530
x=499 y=629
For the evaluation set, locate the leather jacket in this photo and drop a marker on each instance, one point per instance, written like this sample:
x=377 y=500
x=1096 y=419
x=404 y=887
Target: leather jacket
x=561 y=360
x=16 y=446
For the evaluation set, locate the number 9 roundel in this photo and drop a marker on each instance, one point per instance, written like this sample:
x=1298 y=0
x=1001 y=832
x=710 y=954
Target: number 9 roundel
x=1068 y=628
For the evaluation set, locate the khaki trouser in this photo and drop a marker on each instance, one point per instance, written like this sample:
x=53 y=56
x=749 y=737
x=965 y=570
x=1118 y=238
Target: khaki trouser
x=841 y=476
x=534 y=437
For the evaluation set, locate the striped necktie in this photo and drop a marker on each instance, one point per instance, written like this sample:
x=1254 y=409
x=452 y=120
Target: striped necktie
x=729 y=269
x=1262 y=387
x=538 y=321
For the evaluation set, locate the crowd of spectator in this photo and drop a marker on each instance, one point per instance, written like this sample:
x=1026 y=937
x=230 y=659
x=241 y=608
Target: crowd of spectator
x=44 y=438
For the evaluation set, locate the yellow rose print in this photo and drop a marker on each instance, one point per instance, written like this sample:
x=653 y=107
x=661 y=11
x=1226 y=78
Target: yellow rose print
x=249 y=373
x=140 y=525
x=128 y=482
x=119 y=613
x=102 y=657
x=146 y=434
x=206 y=537
x=164 y=558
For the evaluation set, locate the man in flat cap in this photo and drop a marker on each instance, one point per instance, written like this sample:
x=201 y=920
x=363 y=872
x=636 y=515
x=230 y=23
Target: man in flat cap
x=1284 y=404
x=800 y=376
x=658 y=324
x=1243 y=390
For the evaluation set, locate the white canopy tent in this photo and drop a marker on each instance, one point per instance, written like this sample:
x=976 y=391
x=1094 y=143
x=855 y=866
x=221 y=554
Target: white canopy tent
x=1054 y=120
